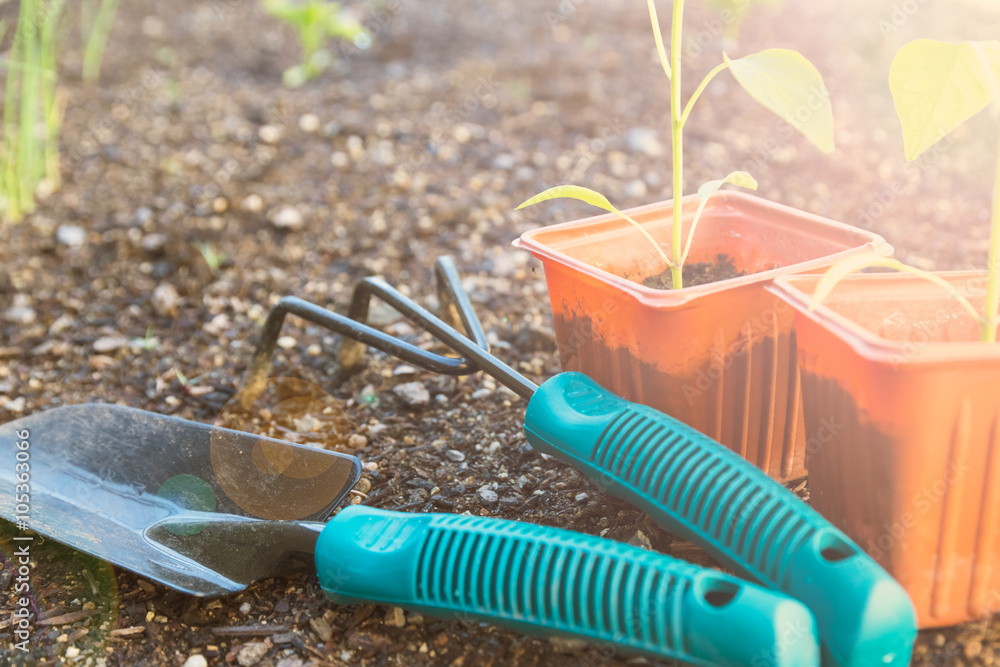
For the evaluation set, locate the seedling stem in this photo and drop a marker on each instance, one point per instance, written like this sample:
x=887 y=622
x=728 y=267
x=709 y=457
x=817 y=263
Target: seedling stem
x=677 y=139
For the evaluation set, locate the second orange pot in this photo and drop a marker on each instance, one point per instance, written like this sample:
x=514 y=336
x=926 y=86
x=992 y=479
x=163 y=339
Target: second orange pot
x=902 y=406
x=719 y=357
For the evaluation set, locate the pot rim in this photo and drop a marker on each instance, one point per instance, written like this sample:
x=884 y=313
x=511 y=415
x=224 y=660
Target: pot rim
x=666 y=299
x=870 y=345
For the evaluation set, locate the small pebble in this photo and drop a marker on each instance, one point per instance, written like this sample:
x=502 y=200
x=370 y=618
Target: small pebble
x=287 y=342
x=220 y=205
x=321 y=628
x=61 y=324
x=165 y=300
x=72 y=652
x=357 y=441
x=288 y=217
x=252 y=653
x=71 y=235
x=252 y=204
x=339 y=159
x=640 y=540
x=580 y=497
x=567 y=644
x=197 y=660
x=270 y=134
x=109 y=344
x=395 y=617
x=245 y=608
x=973 y=648
x=143 y=214
x=455 y=455
x=20 y=315
x=413 y=393
x=488 y=496
x=309 y=122
x=635 y=189
x=504 y=161
x=153 y=243
x=644 y=140
x=371 y=466
x=481 y=393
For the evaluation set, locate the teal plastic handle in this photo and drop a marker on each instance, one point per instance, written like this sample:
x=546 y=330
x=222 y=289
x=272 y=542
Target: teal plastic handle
x=694 y=487
x=547 y=581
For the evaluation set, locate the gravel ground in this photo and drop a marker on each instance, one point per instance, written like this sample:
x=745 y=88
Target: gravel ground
x=198 y=191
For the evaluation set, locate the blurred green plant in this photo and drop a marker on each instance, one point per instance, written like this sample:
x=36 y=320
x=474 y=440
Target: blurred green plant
x=780 y=79
x=211 y=255
x=936 y=87
x=32 y=109
x=734 y=12
x=148 y=343
x=97 y=17
x=315 y=22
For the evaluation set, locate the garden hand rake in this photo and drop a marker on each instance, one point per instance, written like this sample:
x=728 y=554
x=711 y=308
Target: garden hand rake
x=691 y=485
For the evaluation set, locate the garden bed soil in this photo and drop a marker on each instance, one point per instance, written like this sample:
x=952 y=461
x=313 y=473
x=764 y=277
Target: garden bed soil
x=698 y=273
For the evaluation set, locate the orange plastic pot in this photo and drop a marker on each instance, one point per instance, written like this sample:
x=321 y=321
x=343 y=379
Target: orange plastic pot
x=902 y=410
x=720 y=357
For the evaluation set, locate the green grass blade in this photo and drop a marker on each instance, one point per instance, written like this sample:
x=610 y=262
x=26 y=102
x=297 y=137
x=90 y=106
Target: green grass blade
x=97 y=41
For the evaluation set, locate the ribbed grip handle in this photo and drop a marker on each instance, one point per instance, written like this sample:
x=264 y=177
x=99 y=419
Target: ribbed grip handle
x=694 y=487
x=554 y=582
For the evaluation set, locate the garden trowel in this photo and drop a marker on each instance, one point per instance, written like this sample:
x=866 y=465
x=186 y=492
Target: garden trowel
x=181 y=503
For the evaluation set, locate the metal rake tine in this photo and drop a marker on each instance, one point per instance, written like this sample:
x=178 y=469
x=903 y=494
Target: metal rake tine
x=456 y=308
x=358 y=334
x=474 y=353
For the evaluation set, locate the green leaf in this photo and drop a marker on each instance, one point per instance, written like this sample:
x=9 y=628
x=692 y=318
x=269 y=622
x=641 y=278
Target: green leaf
x=658 y=36
x=593 y=198
x=937 y=86
x=587 y=195
x=790 y=86
x=740 y=178
x=836 y=273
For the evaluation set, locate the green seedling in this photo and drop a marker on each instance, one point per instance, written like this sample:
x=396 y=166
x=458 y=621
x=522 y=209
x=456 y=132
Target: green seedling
x=97 y=18
x=32 y=109
x=936 y=87
x=211 y=255
x=184 y=380
x=315 y=22
x=784 y=81
x=148 y=343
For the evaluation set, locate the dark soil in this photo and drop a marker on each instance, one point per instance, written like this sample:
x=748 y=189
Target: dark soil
x=699 y=273
x=420 y=146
